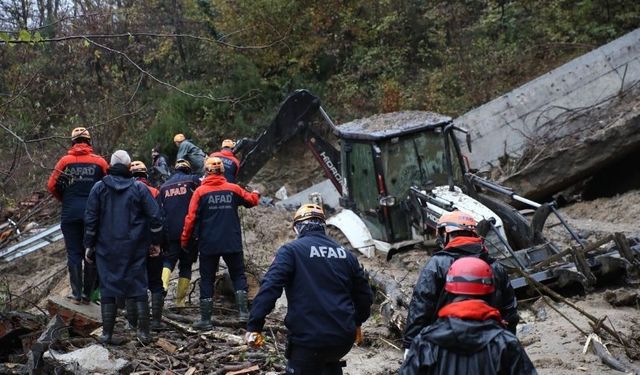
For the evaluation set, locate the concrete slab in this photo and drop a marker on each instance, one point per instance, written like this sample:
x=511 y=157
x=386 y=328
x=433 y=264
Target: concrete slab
x=329 y=193
x=83 y=319
x=535 y=109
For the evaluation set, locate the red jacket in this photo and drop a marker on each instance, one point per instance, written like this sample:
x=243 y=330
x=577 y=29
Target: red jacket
x=82 y=169
x=213 y=216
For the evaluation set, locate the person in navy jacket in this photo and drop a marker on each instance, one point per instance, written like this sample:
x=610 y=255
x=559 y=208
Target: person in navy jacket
x=175 y=195
x=71 y=181
x=154 y=263
x=214 y=223
x=231 y=163
x=328 y=297
x=123 y=226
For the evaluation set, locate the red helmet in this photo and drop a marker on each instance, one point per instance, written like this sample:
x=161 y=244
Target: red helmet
x=455 y=221
x=470 y=276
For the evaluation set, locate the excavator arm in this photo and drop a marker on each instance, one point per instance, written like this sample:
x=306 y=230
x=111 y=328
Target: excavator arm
x=293 y=118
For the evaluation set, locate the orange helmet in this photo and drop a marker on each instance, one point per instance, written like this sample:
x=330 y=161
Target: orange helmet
x=183 y=164
x=80 y=132
x=214 y=166
x=308 y=211
x=179 y=137
x=137 y=167
x=470 y=276
x=456 y=221
x=228 y=143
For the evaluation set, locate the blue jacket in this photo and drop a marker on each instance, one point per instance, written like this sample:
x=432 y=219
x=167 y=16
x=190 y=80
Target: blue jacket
x=122 y=220
x=174 y=198
x=213 y=216
x=328 y=295
x=193 y=154
x=72 y=179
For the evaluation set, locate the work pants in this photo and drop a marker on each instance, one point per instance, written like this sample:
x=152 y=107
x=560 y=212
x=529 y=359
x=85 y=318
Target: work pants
x=73 y=233
x=154 y=274
x=174 y=254
x=315 y=361
x=209 y=267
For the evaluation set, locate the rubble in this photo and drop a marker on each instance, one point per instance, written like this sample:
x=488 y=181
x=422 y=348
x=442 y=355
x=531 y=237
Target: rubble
x=92 y=359
x=83 y=319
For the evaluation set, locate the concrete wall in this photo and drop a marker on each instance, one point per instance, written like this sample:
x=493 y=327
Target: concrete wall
x=505 y=123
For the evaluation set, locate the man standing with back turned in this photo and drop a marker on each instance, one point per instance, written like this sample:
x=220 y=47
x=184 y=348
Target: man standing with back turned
x=71 y=181
x=328 y=298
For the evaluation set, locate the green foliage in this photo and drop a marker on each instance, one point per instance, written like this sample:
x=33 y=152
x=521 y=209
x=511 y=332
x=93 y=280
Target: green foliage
x=360 y=57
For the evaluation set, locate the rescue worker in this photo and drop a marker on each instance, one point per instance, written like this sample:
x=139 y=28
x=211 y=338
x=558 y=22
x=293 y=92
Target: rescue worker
x=123 y=226
x=71 y=181
x=154 y=264
x=457 y=234
x=160 y=167
x=213 y=221
x=174 y=198
x=469 y=336
x=190 y=152
x=328 y=297
x=231 y=163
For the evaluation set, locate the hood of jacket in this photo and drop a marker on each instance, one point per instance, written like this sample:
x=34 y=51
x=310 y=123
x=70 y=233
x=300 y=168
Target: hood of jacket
x=80 y=149
x=214 y=180
x=462 y=335
x=118 y=183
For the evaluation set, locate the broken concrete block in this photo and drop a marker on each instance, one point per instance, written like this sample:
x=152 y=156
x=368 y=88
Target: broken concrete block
x=92 y=359
x=83 y=319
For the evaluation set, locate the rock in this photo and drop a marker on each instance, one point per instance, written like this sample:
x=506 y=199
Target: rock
x=621 y=297
x=92 y=359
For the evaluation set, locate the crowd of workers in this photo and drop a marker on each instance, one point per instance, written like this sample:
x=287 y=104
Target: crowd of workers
x=127 y=235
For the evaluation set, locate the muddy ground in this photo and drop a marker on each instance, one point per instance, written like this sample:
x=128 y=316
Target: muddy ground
x=552 y=342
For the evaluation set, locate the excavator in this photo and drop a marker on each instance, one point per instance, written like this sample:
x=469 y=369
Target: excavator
x=397 y=173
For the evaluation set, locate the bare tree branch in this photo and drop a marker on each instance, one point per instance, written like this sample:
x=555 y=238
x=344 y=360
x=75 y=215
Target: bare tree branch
x=134 y=34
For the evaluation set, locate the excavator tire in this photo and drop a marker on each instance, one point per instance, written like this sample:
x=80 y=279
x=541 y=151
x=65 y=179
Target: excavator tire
x=515 y=225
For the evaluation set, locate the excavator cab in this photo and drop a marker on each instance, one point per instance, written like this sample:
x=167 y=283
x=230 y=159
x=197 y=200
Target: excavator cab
x=383 y=156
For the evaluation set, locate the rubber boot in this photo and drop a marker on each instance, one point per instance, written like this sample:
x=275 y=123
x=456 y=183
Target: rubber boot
x=131 y=313
x=89 y=282
x=181 y=291
x=242 y=303
x=75 y=280
x=206 y=309
x=157 y=302
x=108 y=311
x=166 y=275
x=143 y=322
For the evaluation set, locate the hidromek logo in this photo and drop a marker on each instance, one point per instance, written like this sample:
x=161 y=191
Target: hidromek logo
x=334 y=171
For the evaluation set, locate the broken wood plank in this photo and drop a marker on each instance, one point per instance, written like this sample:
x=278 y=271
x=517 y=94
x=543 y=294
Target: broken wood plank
x=166 y=345
x=83 y=319
x=242 y=371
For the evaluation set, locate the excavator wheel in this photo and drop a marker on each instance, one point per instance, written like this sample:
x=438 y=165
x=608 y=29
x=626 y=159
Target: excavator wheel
x=515 y=225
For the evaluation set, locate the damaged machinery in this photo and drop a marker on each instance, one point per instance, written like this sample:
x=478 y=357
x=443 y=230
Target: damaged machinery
x=397 y=173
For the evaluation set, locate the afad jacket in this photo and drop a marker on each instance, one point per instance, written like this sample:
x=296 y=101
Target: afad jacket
x=213 y=216
x=231 y=164
x=327 y=292
x=429 y=292
x=175 y=195
x=73 y=177
x=467 y=338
